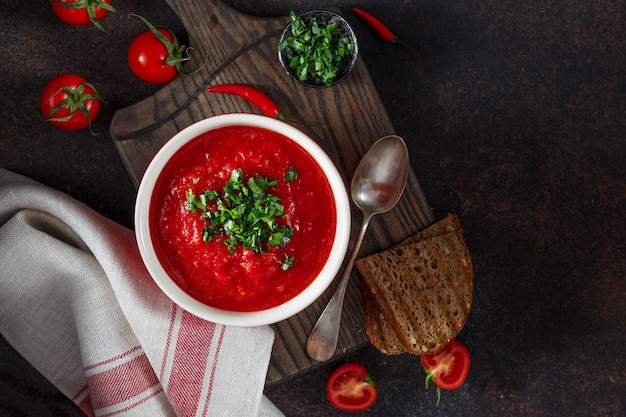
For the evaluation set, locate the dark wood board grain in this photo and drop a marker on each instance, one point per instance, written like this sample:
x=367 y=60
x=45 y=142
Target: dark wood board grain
x=345 y=120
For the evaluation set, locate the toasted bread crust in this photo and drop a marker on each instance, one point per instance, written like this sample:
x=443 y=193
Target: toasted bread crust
x=420 y=291
x=378 y=330
x=446 y=225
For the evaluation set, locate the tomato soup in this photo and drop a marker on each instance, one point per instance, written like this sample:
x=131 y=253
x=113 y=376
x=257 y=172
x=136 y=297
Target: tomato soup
x=238 y=278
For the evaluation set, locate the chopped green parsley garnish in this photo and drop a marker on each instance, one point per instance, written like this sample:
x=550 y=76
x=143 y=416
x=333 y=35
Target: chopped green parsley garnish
x=245 y=213
x=288 y=262
x=291 y=174
x=315 y=52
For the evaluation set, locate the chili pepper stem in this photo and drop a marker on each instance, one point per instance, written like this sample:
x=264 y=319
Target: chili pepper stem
x=407 y=47
x=282 y=117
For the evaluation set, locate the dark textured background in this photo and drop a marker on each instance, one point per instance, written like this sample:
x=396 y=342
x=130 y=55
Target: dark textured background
x=515 y=116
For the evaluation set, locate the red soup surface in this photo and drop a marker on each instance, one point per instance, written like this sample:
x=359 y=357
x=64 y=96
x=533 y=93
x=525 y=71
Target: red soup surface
x=241 y=279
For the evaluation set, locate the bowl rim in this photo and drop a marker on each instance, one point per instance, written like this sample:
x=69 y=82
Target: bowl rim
x=254 y=318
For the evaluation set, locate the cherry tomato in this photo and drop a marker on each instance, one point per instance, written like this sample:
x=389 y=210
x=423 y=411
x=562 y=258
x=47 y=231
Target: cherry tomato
x=448 y=367
x=81 y=12
x=69 y=102
x=156 y=55
x=148 y=57
x=350 y=388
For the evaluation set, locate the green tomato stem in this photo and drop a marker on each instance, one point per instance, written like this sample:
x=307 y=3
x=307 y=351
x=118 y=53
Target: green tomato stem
x=90 y=6
x=75 y=101
x=177 y=54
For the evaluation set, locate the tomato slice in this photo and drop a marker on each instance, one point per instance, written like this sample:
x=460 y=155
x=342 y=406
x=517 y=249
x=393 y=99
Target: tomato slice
x=350 y=388
x=448 y=367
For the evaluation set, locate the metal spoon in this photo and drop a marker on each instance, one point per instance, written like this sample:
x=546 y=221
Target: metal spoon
x=376 y=187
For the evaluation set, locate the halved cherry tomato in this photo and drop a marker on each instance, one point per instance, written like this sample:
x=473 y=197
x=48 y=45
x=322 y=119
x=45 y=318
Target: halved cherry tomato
x=350 y=388
x=82 y=12
x=448 y=367
x=69 y=102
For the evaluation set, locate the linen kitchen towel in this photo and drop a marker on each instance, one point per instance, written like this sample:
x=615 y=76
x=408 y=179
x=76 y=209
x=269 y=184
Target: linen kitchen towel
x=78 y=304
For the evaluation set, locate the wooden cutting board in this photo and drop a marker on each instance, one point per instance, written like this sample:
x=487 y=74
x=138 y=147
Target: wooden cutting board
x=242 y=49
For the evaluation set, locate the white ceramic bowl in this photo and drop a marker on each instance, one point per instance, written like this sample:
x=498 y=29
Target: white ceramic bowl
x=255 y=318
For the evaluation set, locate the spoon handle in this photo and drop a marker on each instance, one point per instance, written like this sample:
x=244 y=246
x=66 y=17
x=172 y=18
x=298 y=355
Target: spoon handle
x=322 y=340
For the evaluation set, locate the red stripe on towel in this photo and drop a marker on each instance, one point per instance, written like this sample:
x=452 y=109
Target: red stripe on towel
x=191 y=357
x=121 y=383
x=133 y=405
x=168 y=342
x=113 y=359
x=213 y=369
x=85 y=404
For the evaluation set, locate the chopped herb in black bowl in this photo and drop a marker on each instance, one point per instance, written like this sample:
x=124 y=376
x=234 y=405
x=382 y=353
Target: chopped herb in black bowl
x=317 y=48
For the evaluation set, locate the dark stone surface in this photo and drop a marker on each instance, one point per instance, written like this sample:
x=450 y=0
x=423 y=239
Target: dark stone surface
x=515 y=116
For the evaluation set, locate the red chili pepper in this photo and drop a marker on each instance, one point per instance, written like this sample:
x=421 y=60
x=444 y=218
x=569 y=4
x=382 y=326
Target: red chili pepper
x=254 y=96
x=377 y=25
x=382 y=30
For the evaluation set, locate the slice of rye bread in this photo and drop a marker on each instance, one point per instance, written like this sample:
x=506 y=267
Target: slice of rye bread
x=378 y=329
x=448 y=224
x=423 y=289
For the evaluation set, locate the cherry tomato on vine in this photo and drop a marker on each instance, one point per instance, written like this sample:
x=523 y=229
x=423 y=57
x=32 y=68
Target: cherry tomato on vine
x=350 y=388
x=156 y=55
x=147 y=58
x=448 y=368
x=69 y=102
x=82 y=12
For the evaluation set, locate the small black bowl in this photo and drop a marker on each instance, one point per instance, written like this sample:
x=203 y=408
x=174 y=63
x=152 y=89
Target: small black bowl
x=323 y=18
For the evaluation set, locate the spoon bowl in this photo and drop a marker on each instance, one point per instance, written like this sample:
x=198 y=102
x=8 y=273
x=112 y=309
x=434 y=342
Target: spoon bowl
x=377 y=185
x=380 y=178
